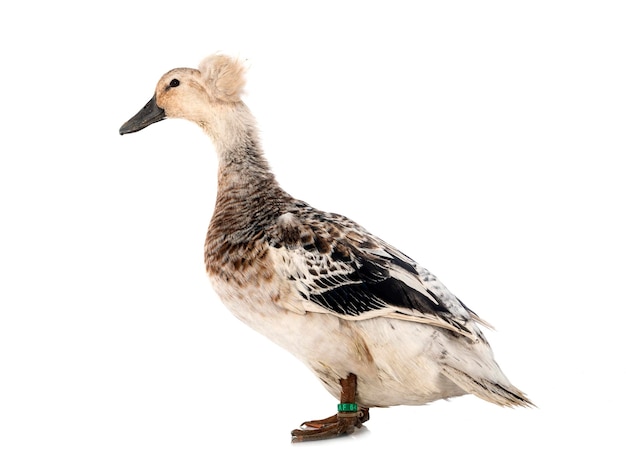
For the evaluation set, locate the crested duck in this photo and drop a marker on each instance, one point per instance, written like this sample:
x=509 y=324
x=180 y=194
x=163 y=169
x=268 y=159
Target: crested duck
x=375 y=327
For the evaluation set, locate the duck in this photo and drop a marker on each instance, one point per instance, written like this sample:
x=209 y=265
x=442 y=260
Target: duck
x=375 y=327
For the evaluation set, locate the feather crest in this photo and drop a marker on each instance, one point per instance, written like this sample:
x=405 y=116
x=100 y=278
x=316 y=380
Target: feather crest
x=223 y=76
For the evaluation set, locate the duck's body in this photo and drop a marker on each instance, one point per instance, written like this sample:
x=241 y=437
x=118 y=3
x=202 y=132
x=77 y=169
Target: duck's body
x=340 y=299
x=276 y=274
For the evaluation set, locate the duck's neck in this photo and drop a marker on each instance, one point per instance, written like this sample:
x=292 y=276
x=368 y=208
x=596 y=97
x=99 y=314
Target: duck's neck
x=248 y=194
x=243 y=172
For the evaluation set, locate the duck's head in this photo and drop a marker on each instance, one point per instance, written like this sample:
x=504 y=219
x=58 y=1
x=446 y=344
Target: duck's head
x=192 y=94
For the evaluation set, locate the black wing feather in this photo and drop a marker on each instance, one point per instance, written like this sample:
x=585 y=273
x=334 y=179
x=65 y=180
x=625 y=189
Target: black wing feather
x=371 y=287
x=353 y=274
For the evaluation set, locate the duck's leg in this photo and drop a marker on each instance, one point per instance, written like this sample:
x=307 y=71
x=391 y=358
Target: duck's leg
x=348 y=417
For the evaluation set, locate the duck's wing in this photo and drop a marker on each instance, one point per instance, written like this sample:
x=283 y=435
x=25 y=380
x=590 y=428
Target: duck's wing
x=338 y=267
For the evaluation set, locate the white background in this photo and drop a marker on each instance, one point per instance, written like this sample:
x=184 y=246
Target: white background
x=484 y=139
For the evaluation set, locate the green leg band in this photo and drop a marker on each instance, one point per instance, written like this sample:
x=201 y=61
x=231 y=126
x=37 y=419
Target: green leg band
x=347 y=407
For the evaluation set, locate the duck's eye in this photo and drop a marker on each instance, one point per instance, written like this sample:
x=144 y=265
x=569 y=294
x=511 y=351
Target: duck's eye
x=174 y=83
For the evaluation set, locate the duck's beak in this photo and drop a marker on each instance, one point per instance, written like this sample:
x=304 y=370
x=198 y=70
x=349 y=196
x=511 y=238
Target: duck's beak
x=149 y=114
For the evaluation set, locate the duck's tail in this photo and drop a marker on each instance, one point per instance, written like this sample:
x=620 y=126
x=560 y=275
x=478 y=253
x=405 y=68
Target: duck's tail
x=505 y=395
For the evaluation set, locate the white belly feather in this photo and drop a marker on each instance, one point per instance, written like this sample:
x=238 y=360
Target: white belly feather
x=397 y=362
